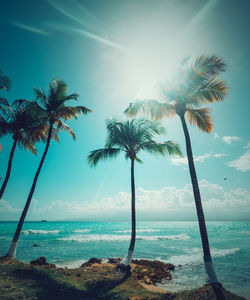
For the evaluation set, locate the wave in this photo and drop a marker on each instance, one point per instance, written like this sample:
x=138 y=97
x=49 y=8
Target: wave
x=81 y=230
x=34 y=231
x=121 y=238
x=138 y=230
x=71 y=264
x=197 y=256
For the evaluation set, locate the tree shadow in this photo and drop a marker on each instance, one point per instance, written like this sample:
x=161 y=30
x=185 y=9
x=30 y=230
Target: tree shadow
x=48 y=287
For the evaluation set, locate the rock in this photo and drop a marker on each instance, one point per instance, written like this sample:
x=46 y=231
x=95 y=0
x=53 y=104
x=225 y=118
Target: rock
x=114 y=260
x=41 y=261
x=95 y=260
x=91 y=261
x=152 y=272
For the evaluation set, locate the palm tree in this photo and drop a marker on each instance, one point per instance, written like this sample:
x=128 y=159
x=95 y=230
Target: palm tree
x=196 y=85
x=18 y=121
x=5 y=82
x=131 y=137
x=53 y=109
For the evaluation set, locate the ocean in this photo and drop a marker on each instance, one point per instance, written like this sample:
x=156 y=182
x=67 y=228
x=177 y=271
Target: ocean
x=72 y=243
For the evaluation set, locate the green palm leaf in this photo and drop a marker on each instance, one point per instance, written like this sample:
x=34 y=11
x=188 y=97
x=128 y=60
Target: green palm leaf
x=102 y=154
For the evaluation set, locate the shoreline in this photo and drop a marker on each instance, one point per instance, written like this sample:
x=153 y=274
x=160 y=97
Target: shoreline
x=94 y=279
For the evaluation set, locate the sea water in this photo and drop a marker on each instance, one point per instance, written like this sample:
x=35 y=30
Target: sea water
x=72 y=243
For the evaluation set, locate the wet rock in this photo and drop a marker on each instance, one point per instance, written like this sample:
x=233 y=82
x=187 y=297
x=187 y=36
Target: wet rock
x=41 y=261
x=91 y=261
x=152 y=272
x=114 y=260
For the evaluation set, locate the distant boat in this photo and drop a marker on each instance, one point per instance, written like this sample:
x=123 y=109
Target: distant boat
x=43 y=220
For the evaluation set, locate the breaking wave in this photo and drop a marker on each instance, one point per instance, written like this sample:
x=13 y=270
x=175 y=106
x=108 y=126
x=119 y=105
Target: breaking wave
x=138 y=230
x=81 y=230
x=34 y=231
x=197 y=256
x=121 y=238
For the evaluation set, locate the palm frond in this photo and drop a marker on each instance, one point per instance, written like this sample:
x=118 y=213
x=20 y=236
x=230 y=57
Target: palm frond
x=138 y=160
x=74 y=96
x=163 y=148
x=151 y=108
x=200 y=118
x=41 y=97
x=26 y=143
x=101 y=154
x=63 y=126
x=214 y=90
x=208 y=66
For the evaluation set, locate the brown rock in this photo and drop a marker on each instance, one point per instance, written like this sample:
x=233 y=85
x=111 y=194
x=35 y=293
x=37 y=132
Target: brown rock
x=41 y=261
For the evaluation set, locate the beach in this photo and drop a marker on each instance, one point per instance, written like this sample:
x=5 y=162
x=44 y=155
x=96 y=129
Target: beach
x=71 y=244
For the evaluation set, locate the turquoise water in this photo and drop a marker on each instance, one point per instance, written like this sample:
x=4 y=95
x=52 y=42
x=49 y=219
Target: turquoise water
x=72 y=243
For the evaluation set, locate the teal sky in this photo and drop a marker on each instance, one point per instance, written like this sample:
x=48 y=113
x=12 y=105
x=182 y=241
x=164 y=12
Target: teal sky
x=112 y=52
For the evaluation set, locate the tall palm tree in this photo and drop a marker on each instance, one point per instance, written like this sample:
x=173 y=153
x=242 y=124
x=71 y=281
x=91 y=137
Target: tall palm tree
x=5 y=82
x=131 y=137
x=19 y=122
x=53 y=109
x=196 y=84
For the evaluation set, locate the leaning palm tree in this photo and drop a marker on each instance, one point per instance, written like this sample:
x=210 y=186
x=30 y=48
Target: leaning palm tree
x=17 y=120
x=5 y=82
x=196 y=84
x=131 y=137
x=53 y=109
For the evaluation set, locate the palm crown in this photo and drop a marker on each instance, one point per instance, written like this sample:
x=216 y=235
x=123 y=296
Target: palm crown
x=25 y=127
x=195 y=85
x=130 y=137
x=53 y=107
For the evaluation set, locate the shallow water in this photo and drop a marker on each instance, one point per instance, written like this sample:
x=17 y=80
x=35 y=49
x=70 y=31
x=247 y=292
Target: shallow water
x=72 y=243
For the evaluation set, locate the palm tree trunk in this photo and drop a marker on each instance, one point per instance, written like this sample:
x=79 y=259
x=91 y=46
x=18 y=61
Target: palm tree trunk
x=127 y=259
x=7 y=176
x=212 y=278
x=13 y=246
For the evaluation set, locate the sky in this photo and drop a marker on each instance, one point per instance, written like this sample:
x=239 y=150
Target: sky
x=111 y=53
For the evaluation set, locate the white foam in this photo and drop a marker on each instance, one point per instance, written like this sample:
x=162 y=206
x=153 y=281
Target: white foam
x=121 y=238
x=81 y=230
x=34 y=231
x=138 y=230
x=71 y=264
x=197 y=256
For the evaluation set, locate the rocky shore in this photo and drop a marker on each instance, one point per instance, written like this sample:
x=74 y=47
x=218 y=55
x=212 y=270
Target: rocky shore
x=96 y=279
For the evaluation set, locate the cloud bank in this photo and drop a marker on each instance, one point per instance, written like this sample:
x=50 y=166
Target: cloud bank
x=168 y=203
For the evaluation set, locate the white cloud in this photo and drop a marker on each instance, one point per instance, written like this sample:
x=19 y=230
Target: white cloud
x=5 y=207
x=216 y=136
x=168 y=203
x=242 y=163
x=230 y=139
x=218 y=155
x=183 y=160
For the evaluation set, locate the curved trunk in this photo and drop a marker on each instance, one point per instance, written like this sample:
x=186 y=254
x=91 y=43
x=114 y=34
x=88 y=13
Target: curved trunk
x=13 y=246
x=201 y=219
x=7 y=176
x=127 y=259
